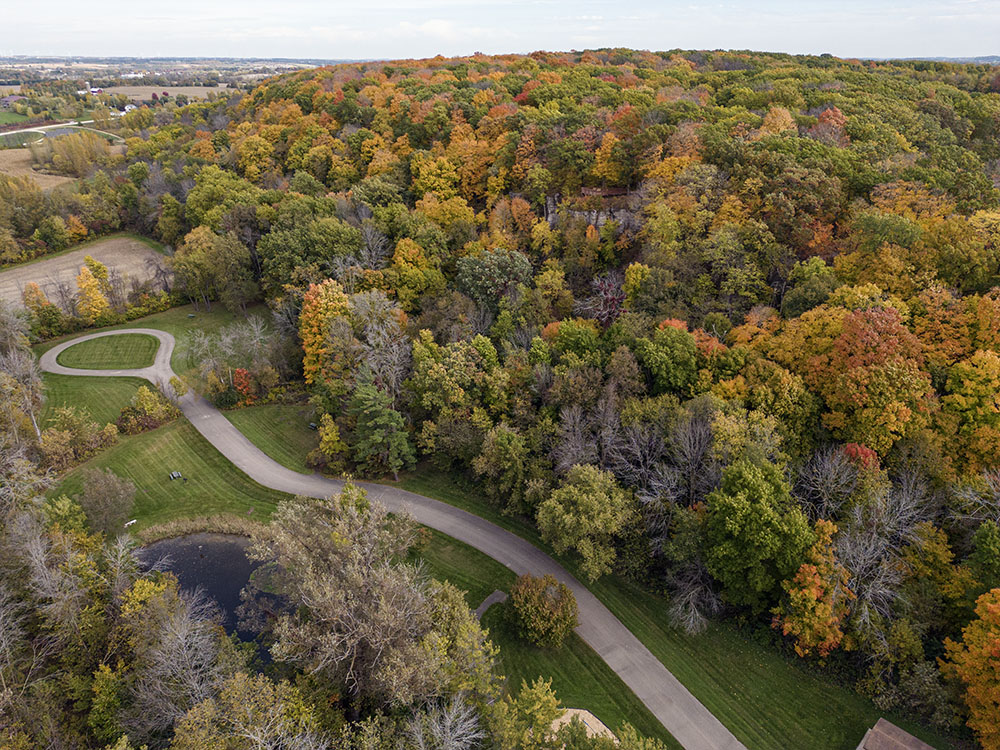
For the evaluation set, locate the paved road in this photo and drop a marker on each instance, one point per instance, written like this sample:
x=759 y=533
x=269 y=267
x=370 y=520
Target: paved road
x=680 y=712
x=43 y=128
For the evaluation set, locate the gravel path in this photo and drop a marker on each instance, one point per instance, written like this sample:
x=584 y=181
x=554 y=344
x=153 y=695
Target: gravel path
x=680 y=712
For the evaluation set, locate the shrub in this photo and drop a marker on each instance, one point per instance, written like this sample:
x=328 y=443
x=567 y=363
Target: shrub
x=148 y=410
x=74 y=437
x=545 y=610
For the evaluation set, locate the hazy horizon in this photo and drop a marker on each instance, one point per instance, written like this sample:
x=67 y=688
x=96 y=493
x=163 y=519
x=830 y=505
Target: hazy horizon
x=394 y=29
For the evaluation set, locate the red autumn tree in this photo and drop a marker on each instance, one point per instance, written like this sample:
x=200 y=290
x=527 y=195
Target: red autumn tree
x=874 y=384
x=817 y=598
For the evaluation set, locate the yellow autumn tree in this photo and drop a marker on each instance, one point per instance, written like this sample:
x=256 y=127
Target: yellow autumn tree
x=777 y=120
x=100 y=272
x=607 y=165
x=77 y=231
x=91 y=304
x=320 y=305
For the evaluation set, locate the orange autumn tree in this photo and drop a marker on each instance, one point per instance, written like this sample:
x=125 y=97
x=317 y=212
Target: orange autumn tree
x=818 y=598
x=873 y=380
x=976 y=662
x=320 y=305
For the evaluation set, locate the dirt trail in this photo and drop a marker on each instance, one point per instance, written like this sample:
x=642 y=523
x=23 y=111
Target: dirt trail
x=128 y=256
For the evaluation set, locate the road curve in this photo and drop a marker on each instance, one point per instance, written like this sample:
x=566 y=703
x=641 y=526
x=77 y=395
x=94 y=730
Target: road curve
x=681 y=713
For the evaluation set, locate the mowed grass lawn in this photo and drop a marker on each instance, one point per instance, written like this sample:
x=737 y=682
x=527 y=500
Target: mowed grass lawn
x=126 y=351
x=280 y=430
x=579 y=676
x=176 y=320
x=213 y=486
x=9 y=118
x=103 y=398
x=768 y=701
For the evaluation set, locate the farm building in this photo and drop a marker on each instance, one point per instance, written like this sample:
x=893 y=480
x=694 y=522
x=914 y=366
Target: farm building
x=8 y=101
x=887 y=736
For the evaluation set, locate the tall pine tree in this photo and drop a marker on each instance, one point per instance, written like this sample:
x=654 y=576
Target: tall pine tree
x=381 y=443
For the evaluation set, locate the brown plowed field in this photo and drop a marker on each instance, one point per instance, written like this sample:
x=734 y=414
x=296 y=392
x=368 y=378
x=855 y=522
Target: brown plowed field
x=129 y=256
x=17 y=162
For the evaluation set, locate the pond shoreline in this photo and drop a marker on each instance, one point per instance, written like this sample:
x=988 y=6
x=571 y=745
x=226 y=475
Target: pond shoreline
x=212 y=562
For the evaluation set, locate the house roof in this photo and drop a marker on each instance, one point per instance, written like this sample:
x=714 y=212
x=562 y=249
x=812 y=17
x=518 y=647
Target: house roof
x=887 y=736
x=13 y=98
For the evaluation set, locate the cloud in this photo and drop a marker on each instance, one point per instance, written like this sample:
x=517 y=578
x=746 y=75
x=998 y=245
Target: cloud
x=423 y=28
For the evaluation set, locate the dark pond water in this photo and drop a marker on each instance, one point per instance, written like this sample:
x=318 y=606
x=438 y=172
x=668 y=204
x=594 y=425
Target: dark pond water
x=215 y=562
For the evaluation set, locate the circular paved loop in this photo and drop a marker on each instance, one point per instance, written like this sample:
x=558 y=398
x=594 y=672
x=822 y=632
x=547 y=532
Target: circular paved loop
x=680 y=712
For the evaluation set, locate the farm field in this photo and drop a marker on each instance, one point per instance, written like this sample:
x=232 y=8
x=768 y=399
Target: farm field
x=17 y=162
x=129 y=351
x=142 y=93
x=130 y=256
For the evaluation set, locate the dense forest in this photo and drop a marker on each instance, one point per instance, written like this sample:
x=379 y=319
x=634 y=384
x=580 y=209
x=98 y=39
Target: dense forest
x=727 y=324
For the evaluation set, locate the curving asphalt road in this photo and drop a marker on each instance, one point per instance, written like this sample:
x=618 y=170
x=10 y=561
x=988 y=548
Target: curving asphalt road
x=680 y=712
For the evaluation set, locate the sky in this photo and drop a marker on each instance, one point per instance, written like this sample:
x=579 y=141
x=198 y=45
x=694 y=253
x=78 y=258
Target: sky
x=391 y=29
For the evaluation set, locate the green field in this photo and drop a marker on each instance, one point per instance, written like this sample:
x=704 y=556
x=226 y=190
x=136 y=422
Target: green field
x=767 y=701
x=9 y=118
x=127 y=351
x=19 y=140
x=103 y=398
x=579 y=676
x=280 y=430
x=213 y=486
x=466 y=567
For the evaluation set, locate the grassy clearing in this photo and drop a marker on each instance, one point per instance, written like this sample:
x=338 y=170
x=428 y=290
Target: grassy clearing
x=214 y=485
x=103 y=398
x=175 y=321
x=579 y=676
x=8 y=118
x=475 y=573
x=129 y=351
x=280 y=430
x=765 y=699
x=19 y=140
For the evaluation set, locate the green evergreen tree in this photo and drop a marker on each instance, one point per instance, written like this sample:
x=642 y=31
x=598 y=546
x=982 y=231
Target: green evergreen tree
x=381 y=442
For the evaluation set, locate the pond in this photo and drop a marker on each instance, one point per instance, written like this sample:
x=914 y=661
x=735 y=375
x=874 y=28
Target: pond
x=217 y=563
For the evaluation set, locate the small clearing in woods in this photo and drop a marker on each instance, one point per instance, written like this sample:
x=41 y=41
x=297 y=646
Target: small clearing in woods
x=132 y=258
x=17 y=162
